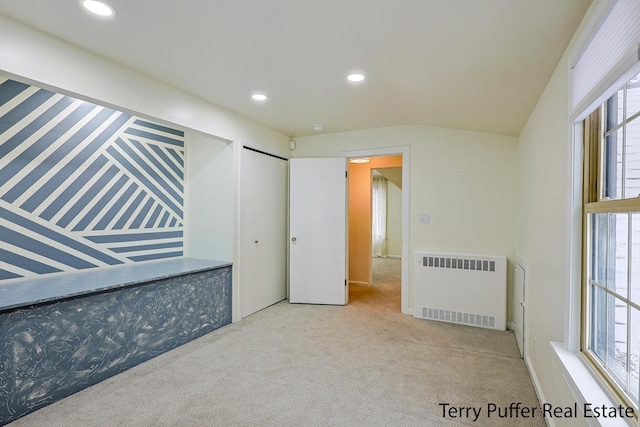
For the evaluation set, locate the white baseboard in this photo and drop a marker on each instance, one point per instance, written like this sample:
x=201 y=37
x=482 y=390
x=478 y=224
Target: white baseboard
x=537 y=388
x=354 y=282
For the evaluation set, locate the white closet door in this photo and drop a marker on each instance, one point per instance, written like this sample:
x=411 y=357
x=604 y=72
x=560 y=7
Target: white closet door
x=263 y=263
x=318 y=231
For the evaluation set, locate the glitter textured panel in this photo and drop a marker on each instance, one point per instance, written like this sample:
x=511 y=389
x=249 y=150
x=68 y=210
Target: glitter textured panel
x=52 y=350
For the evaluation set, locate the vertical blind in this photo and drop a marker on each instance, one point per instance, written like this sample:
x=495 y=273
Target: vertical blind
x=605 y=56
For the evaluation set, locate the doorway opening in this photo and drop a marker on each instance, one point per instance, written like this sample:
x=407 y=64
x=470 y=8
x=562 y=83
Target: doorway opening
x=386 y=230
x=379 y=247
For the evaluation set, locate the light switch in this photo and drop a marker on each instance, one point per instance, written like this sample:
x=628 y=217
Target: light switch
x=425 y=217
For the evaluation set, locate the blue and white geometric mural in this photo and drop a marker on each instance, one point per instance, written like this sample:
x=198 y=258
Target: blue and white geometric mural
x=83 y=185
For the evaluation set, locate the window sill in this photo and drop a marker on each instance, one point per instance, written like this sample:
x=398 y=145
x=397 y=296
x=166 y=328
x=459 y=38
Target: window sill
x=586 y=388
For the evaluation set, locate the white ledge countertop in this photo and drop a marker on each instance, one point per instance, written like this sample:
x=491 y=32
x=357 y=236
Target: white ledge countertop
x=51 y=287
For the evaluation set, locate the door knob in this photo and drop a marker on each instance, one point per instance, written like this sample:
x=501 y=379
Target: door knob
x=293 y=239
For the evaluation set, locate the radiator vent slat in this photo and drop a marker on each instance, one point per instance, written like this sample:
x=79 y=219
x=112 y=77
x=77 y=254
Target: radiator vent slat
x=473 y=319
x=460 y=263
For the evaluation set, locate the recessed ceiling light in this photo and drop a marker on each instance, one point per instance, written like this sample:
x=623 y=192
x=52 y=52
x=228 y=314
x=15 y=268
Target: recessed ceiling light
x=99 y=8
x=359 y=160
x=259 y=97
x=355 y=77
x=318 y=128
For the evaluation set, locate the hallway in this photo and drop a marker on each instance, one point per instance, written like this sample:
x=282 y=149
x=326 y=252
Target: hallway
x=386 y=285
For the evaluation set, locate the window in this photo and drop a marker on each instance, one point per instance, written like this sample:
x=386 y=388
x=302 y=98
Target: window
x=611 y=290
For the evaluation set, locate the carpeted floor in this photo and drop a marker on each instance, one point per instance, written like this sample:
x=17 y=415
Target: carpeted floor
x=364 y=364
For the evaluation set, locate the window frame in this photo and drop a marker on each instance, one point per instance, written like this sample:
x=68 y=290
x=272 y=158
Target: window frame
x=594 y=202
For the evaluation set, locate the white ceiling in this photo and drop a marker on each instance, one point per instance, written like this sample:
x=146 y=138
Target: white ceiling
x=467 y=64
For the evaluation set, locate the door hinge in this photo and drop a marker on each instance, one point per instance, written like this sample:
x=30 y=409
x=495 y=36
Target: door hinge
x=346 y=174
x=345 y=282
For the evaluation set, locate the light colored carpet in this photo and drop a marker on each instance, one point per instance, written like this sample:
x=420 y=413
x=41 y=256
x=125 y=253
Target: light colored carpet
x=365 y=364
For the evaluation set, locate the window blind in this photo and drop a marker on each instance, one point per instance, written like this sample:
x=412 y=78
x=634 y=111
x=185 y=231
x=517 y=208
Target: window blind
x=606 y=56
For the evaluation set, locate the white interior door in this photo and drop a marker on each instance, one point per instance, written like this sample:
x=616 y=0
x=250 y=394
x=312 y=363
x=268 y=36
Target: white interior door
x=263 y=262
x=318 y=231
x=518 y=310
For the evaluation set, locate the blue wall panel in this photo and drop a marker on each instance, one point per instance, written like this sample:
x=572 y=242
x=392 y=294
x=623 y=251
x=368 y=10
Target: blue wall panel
x=73 y=174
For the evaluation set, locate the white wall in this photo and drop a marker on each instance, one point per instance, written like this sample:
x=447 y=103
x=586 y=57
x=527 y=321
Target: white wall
x=542 y=229
x=209 y=196
x=33 y=57
x=464 y=179
x=546 y=215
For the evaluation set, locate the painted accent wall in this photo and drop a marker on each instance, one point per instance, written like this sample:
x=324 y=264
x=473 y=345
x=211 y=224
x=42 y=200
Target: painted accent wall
x=360 y=215
x=84 y=186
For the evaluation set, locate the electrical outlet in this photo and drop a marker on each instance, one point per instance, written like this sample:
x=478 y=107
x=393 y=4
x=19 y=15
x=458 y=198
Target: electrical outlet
x=425 y=218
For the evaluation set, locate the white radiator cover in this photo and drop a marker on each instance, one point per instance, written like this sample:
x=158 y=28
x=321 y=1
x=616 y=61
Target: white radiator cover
x=461 y=288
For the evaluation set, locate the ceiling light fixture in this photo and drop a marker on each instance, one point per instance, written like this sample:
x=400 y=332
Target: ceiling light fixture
x=318 y=128
x=99 y=8
x=359 y=160
x=259 y=97
x=355 y=77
